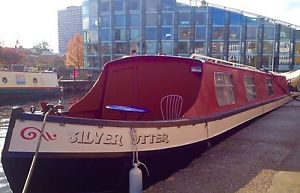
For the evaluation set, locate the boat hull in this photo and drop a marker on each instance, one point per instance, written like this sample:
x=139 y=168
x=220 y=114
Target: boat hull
x=90 y=173
x=86 y=155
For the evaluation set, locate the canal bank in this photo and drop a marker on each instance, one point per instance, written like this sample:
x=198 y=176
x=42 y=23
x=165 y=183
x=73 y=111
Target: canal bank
x=264 y=156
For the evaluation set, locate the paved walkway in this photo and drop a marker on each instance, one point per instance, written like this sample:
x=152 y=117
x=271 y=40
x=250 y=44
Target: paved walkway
x=263 y=157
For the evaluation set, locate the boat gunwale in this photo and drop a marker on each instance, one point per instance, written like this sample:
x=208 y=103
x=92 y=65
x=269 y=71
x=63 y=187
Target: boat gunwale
x=20 y=114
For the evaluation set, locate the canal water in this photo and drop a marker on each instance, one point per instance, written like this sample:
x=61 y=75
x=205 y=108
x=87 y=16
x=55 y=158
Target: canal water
x=5 y=112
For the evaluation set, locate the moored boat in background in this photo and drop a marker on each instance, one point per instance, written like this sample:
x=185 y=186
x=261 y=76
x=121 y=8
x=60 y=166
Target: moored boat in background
x=293 y=79
x=155 y=110
x=27 y=85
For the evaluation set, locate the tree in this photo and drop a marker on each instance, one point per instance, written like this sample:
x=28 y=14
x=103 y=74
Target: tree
x=74 y=54
x=10 y=56
x=42 y=47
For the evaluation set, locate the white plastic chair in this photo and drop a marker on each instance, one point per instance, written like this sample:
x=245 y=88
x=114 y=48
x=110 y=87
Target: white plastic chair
x=171 y=106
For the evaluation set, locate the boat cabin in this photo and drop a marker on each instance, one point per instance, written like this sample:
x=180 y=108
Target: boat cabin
x=205 y=88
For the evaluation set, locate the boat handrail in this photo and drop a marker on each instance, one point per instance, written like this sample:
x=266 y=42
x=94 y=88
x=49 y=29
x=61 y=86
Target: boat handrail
x=220 y=61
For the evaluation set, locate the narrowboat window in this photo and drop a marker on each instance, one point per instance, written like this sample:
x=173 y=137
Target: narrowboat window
x=224 y=88
x=34 y=80
x=20 y=79
x=269 y=86
x=250 y=87
x=4 y=80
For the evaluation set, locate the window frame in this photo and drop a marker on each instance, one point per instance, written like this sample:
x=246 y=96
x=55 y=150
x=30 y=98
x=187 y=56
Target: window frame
x=224 y=89
x=269 y=86
x=250 y=87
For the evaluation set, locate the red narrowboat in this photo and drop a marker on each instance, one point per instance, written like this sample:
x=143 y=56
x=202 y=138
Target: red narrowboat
x=150 y=111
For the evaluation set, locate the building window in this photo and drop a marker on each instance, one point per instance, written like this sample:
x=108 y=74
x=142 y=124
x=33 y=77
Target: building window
x=152 y=5
x=92 y=61
x=167 y=5
x=119 y=5
x=134 y=46
x=105 y=35
x=200 y=18
x=105 y=21
x=183 y=47
x=120 y=20
x=135 y=20
x=269 y=33
x=184 y=18
x=105 y=59
x=234 y=48
x=267 y=62
x=218 y=33
x=167 y=33
x=134 y=5
x=217 y=47
x=93 y=24
x=200 y=47
x=167 y=47
x=151 y=47
x=250 y=87
x=252 y=33
x=151 y=34
x=120 y=34
x=200 y=33
x=151 y=19
x=235 y=19
x=297 y=61
x=167 y=19
x=234 y=33
x=224 y=88
x=121 y=48
x=218 y=17
x=251 y=48
x=269 y=84
x=184 y=33
x=93 y=36
x=268 y=47
x=297 y=48
x=85 y=23
x=135 y=34
x=106 y=48
x=105 y=6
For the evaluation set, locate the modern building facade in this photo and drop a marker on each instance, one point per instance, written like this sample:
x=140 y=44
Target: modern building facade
x=113 y=28
x=69 y=23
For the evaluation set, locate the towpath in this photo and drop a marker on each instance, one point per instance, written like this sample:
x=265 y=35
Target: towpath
x=263 y=157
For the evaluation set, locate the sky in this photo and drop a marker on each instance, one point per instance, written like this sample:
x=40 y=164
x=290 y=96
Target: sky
x=33 y=21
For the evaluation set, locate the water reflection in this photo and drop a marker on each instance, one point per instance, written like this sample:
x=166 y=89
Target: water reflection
x=5 y=112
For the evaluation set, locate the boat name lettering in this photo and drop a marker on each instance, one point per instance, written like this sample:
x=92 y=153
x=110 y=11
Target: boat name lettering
x=154 y=138
x=87 y=137
x=30 y=133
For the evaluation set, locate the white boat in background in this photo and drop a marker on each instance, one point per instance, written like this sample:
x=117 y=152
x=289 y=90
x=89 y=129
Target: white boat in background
x=293 y=79
x=27 y=85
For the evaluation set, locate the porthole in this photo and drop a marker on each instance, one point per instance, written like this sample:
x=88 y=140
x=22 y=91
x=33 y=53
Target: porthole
x=34 y=80
x=4 y=80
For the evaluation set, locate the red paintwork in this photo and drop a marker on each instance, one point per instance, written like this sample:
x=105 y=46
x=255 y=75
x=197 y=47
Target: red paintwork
x=144 y=80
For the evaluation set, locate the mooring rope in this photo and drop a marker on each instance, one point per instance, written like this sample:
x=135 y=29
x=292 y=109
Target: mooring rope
x=33 y=162
x=135 y=152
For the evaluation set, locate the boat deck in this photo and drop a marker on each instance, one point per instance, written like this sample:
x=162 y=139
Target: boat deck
x=263 y=156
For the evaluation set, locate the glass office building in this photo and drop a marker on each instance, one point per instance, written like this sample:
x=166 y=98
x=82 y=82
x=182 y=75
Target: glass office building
x=113 y=28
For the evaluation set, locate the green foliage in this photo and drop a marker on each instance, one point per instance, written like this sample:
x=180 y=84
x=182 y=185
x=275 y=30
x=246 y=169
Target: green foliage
x=42 y=47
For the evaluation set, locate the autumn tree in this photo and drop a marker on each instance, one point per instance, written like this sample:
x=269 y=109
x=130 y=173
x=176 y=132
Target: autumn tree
x=9 y=56
x=74 y=53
